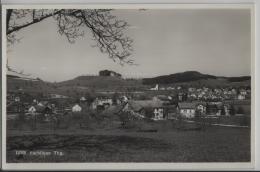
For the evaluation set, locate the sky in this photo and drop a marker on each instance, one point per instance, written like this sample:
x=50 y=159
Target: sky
x=211 y=41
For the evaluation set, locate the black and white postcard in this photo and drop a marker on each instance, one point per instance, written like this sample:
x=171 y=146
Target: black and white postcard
x=133 y=86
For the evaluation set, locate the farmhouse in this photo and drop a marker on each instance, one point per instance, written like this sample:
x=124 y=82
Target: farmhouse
x=36 y=109
x=101 y=103
x=187 y=109
x=146 y=108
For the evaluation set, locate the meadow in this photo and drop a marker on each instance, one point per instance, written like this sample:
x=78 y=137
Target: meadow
x=215 y=144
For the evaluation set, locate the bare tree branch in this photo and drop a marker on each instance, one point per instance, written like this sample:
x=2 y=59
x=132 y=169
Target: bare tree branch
x=35 y=20
x=107 y=30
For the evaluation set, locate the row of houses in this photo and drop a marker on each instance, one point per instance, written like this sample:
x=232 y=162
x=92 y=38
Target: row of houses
x=158 y=110
x=206 y=93
x=59 y=106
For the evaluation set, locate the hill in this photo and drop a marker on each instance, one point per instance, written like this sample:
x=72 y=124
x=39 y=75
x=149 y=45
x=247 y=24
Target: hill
x=90 y=84
x=193 y=77
x=178 y=77
x=103 y=83
x=29 y=86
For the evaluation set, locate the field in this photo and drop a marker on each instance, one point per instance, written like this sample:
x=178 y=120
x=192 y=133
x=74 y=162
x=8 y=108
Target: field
x=215 y=144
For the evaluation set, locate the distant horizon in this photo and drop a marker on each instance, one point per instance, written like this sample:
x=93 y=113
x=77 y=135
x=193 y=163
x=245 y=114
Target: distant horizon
x=129 y=77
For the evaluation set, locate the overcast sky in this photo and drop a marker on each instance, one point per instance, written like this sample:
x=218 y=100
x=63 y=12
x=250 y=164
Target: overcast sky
x=212 y=41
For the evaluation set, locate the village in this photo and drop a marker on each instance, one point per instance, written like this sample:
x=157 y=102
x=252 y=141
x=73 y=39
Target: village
x=156 y=103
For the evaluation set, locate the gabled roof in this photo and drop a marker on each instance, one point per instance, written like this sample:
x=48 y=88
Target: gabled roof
x=44 y=103
x=199 y=103
x=186 y=105
x=171 y=108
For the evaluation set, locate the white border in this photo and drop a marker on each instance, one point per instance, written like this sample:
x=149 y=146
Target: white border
x=128 y=166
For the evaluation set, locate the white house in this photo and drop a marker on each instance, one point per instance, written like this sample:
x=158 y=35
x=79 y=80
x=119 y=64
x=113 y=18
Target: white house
x=83 y=99
x=241 y=97
x=76 y=108
x=158 y=114
x=32 y=110
x=102 y=102
x=17 y=99
x=187 y=109
x=155 y=88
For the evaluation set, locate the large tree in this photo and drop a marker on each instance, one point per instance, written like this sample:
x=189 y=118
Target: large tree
x=106 y=29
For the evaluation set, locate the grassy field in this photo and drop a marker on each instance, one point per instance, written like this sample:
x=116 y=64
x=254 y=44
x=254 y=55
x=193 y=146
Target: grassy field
x=215 y=144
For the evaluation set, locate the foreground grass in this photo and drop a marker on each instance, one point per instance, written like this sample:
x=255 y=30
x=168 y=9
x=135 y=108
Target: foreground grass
x=216 y=144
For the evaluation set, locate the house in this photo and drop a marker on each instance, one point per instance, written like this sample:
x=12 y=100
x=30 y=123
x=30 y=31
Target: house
x=32 y=110
x=158 y=113
x=211 y=109
x=43 y=103
x=101 y=103
x=76 y=108
x=221 y=110
x=155 y=88
x=181 y=96
x=17 y=99
x=187 y=109
x=171 y=111
x=243 y=92
x=162 y=97
x=201 y=107
x=120 y=100
x=37 y=109
x=170 y=88
x=241 y=97
x=82 y=99
x=227 y=109
x=146 y=108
